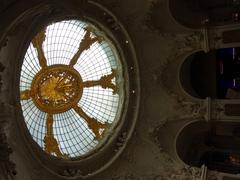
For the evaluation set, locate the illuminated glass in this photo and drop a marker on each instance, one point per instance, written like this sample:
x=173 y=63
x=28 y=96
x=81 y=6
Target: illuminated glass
x=71 y=130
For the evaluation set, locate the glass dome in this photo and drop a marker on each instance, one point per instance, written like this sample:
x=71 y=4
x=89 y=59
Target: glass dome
x=71 y=88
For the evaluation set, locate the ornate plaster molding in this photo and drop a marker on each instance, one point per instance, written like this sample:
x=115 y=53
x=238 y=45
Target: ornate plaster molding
x=173 y=174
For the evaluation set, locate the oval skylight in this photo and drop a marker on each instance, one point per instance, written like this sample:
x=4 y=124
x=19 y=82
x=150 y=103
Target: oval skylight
x=71 y=88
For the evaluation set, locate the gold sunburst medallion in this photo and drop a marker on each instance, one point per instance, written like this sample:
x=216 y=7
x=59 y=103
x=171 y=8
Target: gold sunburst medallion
x=57 y=89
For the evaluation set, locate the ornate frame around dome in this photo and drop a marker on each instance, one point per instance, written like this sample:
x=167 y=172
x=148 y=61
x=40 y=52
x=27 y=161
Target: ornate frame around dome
x=36 y=16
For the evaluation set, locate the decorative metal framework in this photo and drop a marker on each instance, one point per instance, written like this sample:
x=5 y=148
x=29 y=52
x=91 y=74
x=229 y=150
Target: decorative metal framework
x=58 y=88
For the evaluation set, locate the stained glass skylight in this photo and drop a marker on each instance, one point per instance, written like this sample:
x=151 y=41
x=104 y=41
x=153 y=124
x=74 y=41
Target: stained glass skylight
x=71 y=88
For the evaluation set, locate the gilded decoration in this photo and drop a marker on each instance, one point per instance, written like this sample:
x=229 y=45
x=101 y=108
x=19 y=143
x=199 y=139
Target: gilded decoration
x=58 y=88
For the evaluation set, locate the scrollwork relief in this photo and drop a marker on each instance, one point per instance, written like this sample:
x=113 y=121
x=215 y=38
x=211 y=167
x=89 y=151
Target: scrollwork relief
x=3 y=42
x=72 y=173
x=190 y=42
x=192 y=110
x=217 y=109
x=112 y=22
x=151 y=19
x=215 y=39
x=186 y=174
x=121 y=141
x=177 y=174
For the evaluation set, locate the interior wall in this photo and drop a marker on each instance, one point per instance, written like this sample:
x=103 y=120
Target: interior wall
x=159 y=50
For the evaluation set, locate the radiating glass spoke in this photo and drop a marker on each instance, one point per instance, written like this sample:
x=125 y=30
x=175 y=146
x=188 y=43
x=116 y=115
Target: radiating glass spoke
x=105 y=82
x=38 y=44
x=25 y=95
x=92 y=123
x=51 y=144
x=85 y=44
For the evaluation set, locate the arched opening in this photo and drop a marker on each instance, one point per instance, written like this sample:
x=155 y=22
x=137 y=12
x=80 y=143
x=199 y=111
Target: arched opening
x=190 y=142
x=224 y=150
x=197 y=13
x=187 y=12
x=215 y=74
x=214 y=144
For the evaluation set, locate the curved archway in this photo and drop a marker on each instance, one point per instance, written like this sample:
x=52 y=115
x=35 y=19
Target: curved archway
x=214 y=144
x=187 y=12
x=215 y=74
x=197 y=13
x=190 y=142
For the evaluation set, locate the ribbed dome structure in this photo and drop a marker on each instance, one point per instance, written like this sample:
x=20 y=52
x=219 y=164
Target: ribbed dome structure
x=71 y=88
